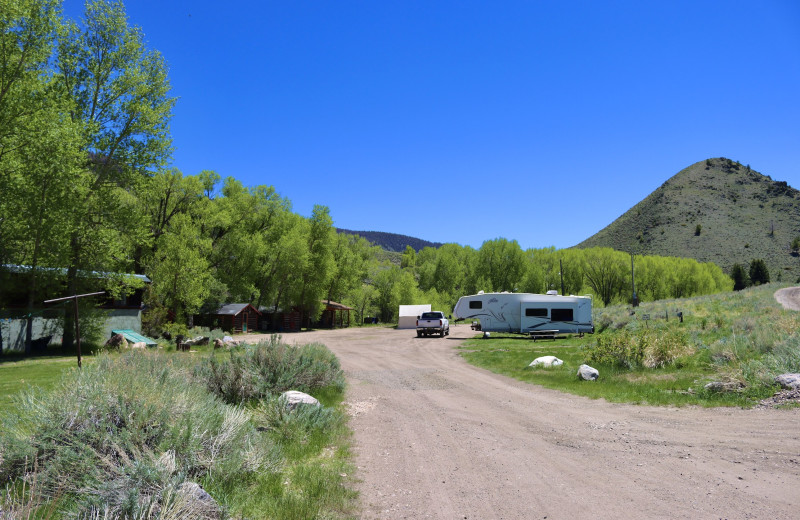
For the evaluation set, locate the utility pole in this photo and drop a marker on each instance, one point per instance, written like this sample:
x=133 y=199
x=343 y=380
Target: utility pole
x=561 y=274
x=75 y=308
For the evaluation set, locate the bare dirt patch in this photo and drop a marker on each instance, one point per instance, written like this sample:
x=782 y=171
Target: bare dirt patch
x=789 y=298
x=438 y=438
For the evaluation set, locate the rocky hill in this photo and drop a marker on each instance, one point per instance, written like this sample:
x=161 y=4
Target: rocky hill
x=715 y=210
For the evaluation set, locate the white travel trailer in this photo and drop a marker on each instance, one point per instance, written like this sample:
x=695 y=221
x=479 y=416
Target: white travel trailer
x=527 y=313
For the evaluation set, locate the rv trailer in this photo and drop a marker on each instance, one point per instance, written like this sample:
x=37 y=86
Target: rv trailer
x=527 y=313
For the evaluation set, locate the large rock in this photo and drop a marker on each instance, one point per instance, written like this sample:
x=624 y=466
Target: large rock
x=588 y=373
x=546 y=361
x=723 y=386
x=789 y=381
x=199 y=340
x=294 y=398
x=116 y=341
x=200 y=504
x=218 y=343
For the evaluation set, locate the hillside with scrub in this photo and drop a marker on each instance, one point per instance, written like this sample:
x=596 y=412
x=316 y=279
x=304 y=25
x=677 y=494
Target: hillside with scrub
x=716 y=210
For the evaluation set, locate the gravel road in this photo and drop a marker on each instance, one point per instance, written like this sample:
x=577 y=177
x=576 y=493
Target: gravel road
x=438 y=438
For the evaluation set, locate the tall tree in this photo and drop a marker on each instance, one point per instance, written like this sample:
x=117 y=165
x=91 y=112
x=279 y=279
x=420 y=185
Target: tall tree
x=502 y=262
x=605 y=271
x=120 y=96
x=315 y=276
x=38 y=145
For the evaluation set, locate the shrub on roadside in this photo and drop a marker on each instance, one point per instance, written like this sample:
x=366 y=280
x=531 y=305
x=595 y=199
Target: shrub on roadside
x=121 y=435
x=649 y=348
x=270 y=368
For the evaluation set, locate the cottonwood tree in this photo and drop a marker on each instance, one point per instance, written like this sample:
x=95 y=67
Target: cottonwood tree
x=38 y=146
x=353 y=256
x=502 y=262
x=179 y=269
x=119 y=92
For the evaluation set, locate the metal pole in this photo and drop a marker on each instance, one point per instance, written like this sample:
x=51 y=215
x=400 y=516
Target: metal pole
x=77 y=330
x=77 y=323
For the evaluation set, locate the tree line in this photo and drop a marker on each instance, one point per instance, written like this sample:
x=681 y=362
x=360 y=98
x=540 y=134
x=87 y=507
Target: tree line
x=85 y=183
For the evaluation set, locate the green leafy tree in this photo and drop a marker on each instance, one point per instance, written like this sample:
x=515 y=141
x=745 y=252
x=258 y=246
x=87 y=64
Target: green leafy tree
x=502 y=262
x=38 y=146
x=605 y=271
x=120 y=96
x=180 y=268
x=353 y=257
x=409 y=258
x=320 y=267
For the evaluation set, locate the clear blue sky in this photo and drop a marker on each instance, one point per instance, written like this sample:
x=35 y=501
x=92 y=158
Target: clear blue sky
x=461 y=121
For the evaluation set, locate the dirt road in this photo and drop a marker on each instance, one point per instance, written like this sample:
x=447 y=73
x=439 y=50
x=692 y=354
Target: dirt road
x=438 y=438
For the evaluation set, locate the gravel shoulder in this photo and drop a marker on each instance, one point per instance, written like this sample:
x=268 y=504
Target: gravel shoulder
x=435 y=437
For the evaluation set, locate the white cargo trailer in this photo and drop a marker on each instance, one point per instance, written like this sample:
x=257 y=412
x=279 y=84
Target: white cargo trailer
x=527 y=313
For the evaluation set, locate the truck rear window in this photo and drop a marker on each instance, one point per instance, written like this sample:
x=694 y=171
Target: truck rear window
x=431 y=315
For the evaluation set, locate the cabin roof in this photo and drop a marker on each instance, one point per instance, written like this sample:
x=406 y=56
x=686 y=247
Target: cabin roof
x=232 y=309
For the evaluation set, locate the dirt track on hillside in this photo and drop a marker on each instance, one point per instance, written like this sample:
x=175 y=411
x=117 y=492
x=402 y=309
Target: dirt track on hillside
x=789 y=298
x=438 y=438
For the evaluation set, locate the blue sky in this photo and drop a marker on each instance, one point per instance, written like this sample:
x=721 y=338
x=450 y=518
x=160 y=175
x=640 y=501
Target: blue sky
x=467 y=121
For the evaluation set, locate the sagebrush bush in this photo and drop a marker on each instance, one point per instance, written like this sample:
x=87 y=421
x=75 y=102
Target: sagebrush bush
x=649 y=348
x=124 y=432
x=270 y=368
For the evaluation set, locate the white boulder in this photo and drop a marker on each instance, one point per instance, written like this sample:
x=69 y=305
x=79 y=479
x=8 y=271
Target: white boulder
x=588 y=373
x=294 y=398
x=546 y=361
x=788 y=381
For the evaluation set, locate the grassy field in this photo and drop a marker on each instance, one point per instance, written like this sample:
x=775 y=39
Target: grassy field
x=741 y=340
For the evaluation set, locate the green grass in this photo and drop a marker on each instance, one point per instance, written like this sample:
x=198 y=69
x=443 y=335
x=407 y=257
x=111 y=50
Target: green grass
x=742 y=338
x=17 y=374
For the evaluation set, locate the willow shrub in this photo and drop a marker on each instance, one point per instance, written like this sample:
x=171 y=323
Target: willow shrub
x=270 y=368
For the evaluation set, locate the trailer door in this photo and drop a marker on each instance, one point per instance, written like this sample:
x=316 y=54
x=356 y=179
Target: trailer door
x=533 y=316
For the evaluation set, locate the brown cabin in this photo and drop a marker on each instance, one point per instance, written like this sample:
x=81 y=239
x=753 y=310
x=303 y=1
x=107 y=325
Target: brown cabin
x=335 y=315
x=234 y=317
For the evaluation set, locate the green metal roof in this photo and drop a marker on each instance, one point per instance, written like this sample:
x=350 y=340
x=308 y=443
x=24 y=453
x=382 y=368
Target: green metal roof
x=134 y=337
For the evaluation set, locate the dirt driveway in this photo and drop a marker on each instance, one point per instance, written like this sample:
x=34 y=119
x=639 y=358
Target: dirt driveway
x=438 y=438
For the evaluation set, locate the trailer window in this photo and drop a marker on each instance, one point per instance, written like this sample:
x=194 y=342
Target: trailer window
x=561 y=315
x=476 y=304
x=536 y=313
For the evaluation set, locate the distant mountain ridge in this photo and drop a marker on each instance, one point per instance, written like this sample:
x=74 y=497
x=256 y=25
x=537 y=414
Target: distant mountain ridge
x=715 y=210
x=392 y=241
